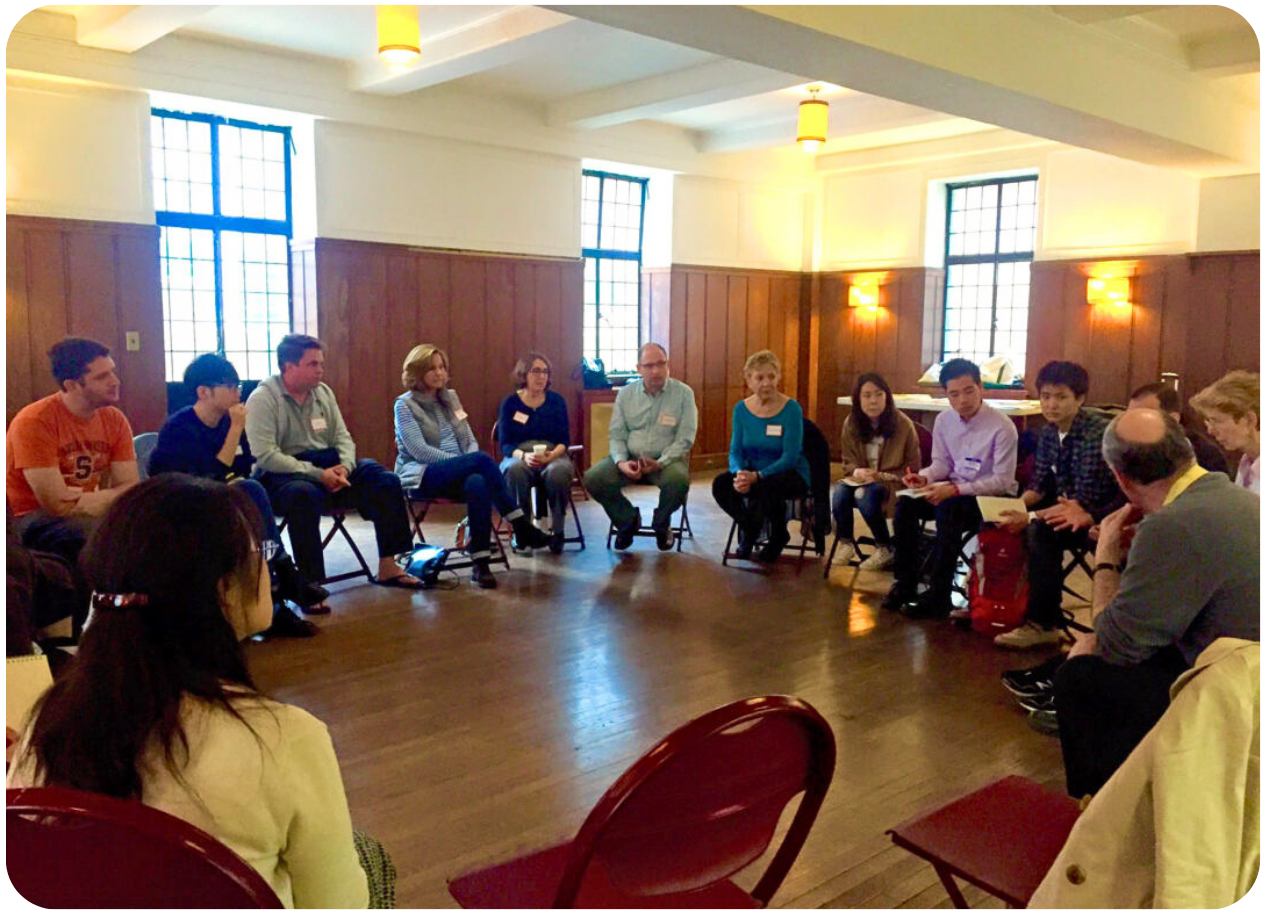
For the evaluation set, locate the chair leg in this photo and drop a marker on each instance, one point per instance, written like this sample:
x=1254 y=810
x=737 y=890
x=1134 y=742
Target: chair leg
x=726 y=552
x=339 y=524
x=827 y=566
x=573 y=510
x=952 y=889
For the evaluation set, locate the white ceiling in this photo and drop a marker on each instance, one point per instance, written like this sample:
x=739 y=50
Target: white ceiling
x=588 y=75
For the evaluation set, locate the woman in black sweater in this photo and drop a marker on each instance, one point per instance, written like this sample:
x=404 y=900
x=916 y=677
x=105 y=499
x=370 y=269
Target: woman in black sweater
x=534 y=436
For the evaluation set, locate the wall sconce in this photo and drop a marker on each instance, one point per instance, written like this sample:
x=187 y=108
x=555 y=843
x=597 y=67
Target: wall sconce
x=398 y=34
x=1108 y=290
x=868 y=295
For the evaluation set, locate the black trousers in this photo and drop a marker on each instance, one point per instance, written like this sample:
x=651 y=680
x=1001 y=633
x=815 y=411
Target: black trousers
x=1046 y=570
x=65 y=538
x=374 y=492
x=956 y=517
x=1104 y=710
x=766 y=500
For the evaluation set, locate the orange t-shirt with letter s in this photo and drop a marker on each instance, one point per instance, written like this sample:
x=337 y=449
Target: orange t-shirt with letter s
x=46 y=434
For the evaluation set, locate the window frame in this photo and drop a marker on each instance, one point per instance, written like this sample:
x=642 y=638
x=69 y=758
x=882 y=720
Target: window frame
x=995 y=258
x=600 y=253
x=217 y=223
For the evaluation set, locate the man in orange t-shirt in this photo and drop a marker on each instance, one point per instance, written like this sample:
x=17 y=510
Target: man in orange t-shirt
x=69 y=455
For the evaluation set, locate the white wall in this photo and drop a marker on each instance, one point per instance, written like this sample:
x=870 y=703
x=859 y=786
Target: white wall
x=732 y=224
x=1089 y=205
x=404 y=188
x=1230 y=214
x=76 y=152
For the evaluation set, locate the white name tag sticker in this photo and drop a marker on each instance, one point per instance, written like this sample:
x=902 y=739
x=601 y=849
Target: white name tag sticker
x=461 y=415
x=318 y=423
x=240 y=451
x=775 y=431
x=520 y=417
x=667 y=419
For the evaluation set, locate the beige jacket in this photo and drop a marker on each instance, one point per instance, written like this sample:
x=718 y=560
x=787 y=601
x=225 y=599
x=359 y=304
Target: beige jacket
x=1176 y=826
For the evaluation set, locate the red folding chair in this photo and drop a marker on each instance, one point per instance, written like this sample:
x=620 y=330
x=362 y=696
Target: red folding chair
x=700 y=806
x=1002 y=838
x=70 y=849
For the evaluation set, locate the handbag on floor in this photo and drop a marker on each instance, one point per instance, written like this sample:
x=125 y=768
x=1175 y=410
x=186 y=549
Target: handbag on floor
x=998 y=589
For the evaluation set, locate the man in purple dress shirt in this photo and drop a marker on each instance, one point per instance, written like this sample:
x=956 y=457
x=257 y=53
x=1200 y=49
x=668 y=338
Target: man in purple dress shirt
x=974 y=453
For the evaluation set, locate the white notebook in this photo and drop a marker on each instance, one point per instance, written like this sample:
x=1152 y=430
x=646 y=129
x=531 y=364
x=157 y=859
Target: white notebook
x=26 y=679
x=992 y=507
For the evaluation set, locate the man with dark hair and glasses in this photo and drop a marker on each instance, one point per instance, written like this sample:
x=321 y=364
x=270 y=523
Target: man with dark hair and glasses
x=207 y=439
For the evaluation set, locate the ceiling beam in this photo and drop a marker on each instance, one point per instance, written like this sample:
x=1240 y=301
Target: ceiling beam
x=655 y=96
x=1022 y=68
x=1224 y=54
x=519 y=32
x=130 y=28
x=1087 y=14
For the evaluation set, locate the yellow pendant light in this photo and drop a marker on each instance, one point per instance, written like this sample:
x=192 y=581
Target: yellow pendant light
x=812 y=121
x=398 y=34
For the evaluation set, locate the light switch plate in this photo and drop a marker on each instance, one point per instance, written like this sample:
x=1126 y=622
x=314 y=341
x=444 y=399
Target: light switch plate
x=133 y=341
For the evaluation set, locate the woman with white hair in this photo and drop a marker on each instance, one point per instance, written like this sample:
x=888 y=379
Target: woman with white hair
x=766 y=464
x=1230 y=407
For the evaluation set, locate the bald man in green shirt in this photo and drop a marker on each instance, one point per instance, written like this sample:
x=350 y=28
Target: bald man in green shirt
x=651 y=432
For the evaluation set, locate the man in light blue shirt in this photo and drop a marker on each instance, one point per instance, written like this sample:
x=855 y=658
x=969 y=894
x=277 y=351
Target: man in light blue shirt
x=650 y=434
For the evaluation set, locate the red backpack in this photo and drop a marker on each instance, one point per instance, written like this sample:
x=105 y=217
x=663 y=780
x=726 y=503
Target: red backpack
x=998 y=590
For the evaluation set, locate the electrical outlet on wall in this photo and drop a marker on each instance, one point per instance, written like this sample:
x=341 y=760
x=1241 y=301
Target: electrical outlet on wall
x=133 y=341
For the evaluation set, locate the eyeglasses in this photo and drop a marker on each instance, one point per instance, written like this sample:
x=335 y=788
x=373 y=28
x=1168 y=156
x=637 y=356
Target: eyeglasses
x=541 y=372
x=268 y=549
x=230 y=386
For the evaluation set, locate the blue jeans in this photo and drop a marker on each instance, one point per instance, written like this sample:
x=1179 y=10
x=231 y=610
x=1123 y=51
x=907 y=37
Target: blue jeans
x=870 y=501
x=474 y=479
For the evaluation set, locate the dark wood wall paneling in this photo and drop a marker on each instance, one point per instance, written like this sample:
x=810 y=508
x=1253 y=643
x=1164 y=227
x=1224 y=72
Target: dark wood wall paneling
x=1196 y=314
x=68 y=277
x=377 y=301
x=711 y=319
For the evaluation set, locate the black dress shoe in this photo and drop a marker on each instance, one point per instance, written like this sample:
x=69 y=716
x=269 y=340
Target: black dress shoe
x=895 y=599
x=556 y=543
x=665 y=538
x=286 y=624
x=626 y=535
x=483 y=577
x=928 y=605
x=528 y=536
x=775 y=544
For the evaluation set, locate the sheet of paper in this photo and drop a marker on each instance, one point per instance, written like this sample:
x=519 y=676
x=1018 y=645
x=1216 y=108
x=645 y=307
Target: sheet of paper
x=992 y=507
x=911 y=493
x=26 y=678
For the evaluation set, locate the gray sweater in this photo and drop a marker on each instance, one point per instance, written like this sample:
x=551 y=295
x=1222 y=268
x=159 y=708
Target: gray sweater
x=1192 y=576
x=279 y=427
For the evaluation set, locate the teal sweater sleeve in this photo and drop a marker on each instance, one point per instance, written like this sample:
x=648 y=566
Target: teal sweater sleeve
x=791 y=454
x=735 y=456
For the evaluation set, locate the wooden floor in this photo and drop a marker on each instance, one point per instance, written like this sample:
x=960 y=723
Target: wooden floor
x=475 y=725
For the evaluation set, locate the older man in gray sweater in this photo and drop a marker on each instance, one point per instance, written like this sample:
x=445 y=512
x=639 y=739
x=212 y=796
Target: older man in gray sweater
x=1189 y=577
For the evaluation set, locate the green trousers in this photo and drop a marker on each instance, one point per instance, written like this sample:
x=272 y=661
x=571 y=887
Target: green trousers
x=605 y=482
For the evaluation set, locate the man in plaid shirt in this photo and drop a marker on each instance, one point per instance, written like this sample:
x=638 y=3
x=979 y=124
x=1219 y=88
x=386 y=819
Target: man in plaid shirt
x=1072 y=489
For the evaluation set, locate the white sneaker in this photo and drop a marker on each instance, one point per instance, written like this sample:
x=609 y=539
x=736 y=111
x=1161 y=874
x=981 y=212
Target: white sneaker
x=879 y=560
x=844 y=552
x=1031 y=634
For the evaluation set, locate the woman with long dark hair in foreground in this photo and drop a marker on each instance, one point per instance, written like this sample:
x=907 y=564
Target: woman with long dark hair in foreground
x=158 y=705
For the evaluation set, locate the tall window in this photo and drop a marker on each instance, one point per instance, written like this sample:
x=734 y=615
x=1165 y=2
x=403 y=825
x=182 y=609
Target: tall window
x=989 y=246
x=221 y=188
x=612 y=245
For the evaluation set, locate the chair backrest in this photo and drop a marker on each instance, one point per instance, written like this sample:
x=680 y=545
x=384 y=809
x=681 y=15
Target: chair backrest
x=925 y=444
x=70 y=849
x=704 y=802
x=814 y=444
x=494 y=442
x=145 y=443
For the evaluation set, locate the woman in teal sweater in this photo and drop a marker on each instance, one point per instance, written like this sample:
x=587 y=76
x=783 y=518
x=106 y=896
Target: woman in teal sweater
x=767 y=466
